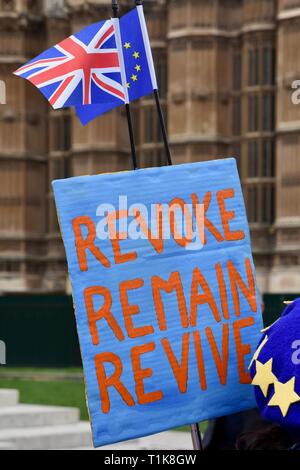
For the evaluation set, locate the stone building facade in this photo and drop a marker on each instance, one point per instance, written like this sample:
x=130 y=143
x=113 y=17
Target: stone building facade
x=225 y=69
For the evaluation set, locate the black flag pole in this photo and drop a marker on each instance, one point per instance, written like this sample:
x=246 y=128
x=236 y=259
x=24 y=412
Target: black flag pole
x=115 y=9
x=195 y=431
x=160 y=113
x=196 y=437
x=163 y=127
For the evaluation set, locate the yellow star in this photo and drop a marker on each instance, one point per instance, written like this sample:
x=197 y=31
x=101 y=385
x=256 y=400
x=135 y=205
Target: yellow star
x=264 y=376
x=257 y=352
x=127 y=45
x=284 y=396
x=136 y=55
x=134 y=78
x=128 y=85
x=138 y=68
x=268 y=327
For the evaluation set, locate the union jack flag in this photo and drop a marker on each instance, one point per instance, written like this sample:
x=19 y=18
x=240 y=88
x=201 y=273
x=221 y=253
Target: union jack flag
x=83 y=69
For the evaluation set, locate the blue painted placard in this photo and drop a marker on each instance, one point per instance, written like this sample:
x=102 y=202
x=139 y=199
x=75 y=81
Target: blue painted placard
x=167 y=308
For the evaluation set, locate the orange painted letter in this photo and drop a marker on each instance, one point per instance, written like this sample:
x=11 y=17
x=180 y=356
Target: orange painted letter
x=236 y=282
x=141 y=374
x=242 y=349
x=174 y=283
x=180 y=370
x=129 y=310
x=223 y=291
x=115 y=237
x=208 y=224
x=201 y=299
x=200 y=360
x=84 y=244
x=221 y=362
x=227 y=216
x=114 y=380
x=103 y=312
x=156 y=241
x=180 y=239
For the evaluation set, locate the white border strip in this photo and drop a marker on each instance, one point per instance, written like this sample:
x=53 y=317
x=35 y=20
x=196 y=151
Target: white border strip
x=147 y=46
x=116 y=23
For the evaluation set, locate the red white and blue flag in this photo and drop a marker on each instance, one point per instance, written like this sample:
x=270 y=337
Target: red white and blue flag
x=83 y=69
x=139 y=77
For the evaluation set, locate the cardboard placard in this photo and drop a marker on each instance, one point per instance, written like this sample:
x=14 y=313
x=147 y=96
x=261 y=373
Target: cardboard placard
x=166 y=304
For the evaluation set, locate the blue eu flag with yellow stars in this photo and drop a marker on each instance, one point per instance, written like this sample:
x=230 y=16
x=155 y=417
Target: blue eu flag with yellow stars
x=138 y=65
x=275 y=371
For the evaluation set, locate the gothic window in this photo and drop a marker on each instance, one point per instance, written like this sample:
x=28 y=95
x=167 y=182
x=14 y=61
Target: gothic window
x=236 y=116
x=269 y=61
x=256 y=67
x=161 y=73
x=268 y=203
x=153 y=158
x=135 y=115
x=253 y=204
x=261 y=191
x=236 y=153
x=253 y=113
x=253 y=74
x=237 y=72
x=10 y=266
x=268 y=159
x=253 y=159
x=59 y=168
x=152 y=132
x=61 y=133
x=250 y=68
x=149 y=125
x=268 y=112
x=53 y=220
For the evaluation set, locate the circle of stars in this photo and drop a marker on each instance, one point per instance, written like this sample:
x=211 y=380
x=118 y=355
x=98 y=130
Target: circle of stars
x=284 y=393
x=135 y=76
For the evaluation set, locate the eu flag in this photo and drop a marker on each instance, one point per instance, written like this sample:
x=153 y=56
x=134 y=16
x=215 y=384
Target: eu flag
x=138 y=65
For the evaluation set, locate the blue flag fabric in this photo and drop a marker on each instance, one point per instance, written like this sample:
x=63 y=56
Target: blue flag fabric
x=275 y=371
x=138 y=75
